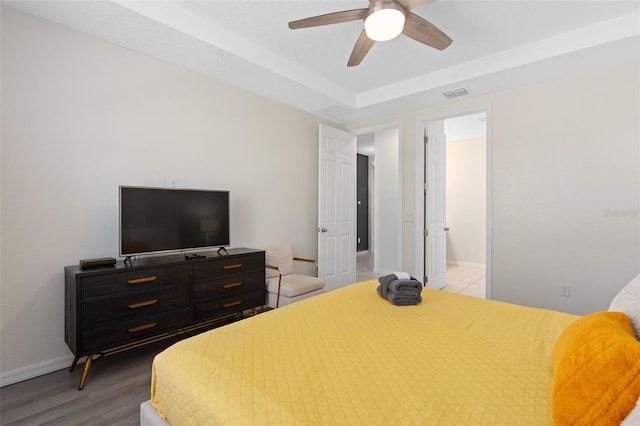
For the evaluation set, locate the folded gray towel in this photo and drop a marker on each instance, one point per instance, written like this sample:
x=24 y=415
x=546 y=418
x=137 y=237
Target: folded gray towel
x=408 y=287
x=384 y=283
x=405 y=293
x=400 y=300
x=401 y=287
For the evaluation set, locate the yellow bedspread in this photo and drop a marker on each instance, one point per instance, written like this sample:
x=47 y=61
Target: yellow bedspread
x=351 y=357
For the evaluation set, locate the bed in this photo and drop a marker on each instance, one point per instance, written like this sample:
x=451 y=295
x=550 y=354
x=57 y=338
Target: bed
x=351 y=357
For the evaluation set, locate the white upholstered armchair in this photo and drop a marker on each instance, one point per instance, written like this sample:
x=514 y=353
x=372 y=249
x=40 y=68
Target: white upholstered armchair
x=283 y=285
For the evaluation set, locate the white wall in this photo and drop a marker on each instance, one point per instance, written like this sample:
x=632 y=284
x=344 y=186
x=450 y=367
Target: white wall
x=566 y=153
x=80 y=117
x=466 y=201
x=388 y=199
x=566 y=187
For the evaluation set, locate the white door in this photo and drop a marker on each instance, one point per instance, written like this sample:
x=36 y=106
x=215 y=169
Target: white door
x=337 y=207
x=435 y=242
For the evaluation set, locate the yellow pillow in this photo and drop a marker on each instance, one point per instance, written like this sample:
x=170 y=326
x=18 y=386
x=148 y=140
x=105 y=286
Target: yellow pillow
x=596 y=371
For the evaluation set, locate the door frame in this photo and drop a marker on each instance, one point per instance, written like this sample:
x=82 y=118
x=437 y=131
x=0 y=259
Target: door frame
x=421 y=123
x=375 y=129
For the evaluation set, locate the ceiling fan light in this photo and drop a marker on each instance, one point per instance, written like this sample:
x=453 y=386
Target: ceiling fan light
x=384 y=24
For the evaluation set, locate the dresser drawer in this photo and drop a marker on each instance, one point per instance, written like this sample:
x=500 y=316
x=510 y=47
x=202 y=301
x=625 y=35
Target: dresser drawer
x=236 y=264
x=228 y=284
x=134 y=305
x=228 y=305
x=113 y=335
x=152 y=278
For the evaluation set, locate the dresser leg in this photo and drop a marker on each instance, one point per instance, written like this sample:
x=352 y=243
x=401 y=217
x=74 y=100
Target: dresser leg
x=73 y=364
x=85 y=373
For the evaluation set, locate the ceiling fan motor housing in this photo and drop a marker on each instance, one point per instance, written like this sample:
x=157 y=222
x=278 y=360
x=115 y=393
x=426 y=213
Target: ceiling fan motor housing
x=385 y=20
x=375 y=6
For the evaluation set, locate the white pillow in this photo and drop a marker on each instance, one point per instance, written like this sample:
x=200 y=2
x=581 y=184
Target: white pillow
x=628 y=301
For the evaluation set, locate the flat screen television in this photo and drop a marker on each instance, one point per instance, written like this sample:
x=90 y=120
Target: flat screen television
x=163 y=220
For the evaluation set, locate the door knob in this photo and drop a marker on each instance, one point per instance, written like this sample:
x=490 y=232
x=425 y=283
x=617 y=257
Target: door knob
x=446 y=228
x=322 y=229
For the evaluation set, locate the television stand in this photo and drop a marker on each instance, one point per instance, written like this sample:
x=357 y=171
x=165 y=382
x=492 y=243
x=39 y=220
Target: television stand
x=145 y=299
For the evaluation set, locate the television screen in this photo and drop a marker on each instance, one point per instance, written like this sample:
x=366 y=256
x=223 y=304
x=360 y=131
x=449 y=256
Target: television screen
x=154 y=220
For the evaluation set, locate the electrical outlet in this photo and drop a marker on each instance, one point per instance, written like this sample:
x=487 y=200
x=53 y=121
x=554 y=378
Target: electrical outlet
x=565 y=290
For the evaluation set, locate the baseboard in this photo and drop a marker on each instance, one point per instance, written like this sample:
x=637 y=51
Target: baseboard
x=35 y=370
x=383 y=271
x=457 y=263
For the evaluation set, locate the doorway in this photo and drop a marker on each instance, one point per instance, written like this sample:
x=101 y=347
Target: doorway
x=379 y=202
x=466 y=241
x=466 y=204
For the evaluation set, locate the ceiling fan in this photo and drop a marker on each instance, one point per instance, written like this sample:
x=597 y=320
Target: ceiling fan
x=383 y=20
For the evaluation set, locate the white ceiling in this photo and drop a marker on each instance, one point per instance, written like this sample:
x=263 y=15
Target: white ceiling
x=497 y=45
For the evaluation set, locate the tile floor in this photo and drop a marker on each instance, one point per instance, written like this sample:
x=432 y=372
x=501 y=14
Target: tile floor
x=469 y=280
x=364 y=266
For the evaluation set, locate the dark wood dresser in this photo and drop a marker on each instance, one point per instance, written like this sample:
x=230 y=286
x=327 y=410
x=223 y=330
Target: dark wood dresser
x=129 y=304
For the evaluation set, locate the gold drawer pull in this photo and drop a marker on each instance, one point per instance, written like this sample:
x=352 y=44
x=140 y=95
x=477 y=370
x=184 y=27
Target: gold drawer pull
x=236 y=303
x=142 y=280
x=142 y=304
x=232 y=285
x=142 y=327
x=234 y=266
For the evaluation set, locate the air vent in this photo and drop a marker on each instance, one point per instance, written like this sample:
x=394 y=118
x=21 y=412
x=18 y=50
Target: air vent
x=456 y=93
x=334 y=110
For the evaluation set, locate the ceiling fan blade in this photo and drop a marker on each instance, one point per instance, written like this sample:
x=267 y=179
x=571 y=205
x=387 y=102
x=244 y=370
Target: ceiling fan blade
x=412 y=4
x=360 y=50
x=425 y=32
x=329 y=18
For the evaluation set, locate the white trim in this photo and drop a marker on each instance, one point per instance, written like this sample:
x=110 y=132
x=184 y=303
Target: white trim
x=35 y=370
x=380 y=127
x=459 y=263
x=383 y=271
x=418 y=249
x=419 y=176
x=489 y=232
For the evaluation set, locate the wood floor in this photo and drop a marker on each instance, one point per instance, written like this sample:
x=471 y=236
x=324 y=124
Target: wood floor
x=116 y=386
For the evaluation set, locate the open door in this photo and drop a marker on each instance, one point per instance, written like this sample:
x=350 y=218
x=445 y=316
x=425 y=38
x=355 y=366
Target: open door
x=435 y=242
x=337 y=207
